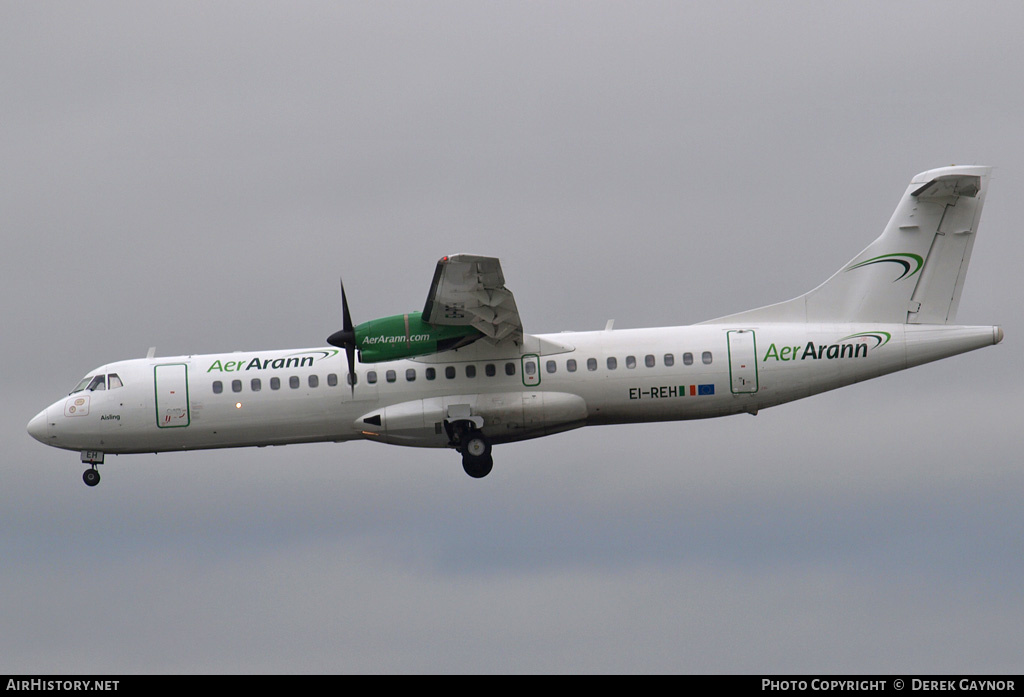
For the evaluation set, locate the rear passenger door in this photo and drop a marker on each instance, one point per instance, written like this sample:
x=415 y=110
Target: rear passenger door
x=742 y=361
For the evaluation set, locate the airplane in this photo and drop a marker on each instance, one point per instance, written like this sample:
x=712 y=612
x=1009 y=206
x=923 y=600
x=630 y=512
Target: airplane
x=463 y=374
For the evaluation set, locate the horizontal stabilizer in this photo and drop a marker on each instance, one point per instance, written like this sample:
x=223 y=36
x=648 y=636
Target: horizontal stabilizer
x=949 y=185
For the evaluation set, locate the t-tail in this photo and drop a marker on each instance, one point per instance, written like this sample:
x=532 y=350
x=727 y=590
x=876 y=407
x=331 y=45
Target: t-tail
x=912 y=274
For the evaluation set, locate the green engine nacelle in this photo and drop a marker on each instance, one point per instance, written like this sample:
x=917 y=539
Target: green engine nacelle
x=404 y=336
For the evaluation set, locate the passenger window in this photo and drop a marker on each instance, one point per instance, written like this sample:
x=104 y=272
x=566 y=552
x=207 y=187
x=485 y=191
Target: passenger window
x=449 y=372
x=570 y=365
x=530 y=367
x=410 y=375
x=351 y=379
x=687 y=358
x=113 y=382
x=371 y=377
x=275 y=383
x=550 y=366
x=631 y=362
x=293 y=382
x=510 y=369
x=670 y=360
x=490 y=371
x=218 y=386
x=613 y=363
x=256 y=385
x=430 y=373
x=332 y=380
x=314 y=381
x=390 y=376
x=591 y=364
x=649 y=360
x=236 y=385
x=470 y=371
x=706 y=357
x=98 y=383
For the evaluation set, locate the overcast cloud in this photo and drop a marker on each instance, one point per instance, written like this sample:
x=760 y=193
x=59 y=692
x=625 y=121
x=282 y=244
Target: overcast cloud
x=196 y=176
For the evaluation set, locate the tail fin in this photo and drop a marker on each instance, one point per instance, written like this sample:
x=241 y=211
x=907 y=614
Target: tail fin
x=913 y=273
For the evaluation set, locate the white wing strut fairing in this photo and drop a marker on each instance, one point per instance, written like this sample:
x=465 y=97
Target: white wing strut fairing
x=463 y=374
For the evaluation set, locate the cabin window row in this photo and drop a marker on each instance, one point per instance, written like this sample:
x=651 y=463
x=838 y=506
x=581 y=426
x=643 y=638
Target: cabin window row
x=313 y=381
x=450 y=372
x=294 y=382
x=612 y=362
x=490 y=370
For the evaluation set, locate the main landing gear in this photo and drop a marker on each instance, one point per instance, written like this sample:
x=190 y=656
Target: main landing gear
x=476 y=455
x=474 y=446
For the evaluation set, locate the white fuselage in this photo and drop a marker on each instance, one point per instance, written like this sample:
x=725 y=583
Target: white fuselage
x=891 y=307
x=552 y=383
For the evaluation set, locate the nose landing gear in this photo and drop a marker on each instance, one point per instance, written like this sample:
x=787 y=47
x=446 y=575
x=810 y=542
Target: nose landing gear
x=91 y=476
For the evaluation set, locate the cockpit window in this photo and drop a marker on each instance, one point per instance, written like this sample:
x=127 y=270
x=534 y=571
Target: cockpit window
x=98 y=382
x=82 y=385
x=94 y=383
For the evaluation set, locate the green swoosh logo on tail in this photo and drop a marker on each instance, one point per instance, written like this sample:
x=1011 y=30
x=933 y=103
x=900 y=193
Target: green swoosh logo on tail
x=881 y=337
x=911 y=263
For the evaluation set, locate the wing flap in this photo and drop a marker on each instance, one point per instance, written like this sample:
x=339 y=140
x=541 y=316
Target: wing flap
x=469 y=290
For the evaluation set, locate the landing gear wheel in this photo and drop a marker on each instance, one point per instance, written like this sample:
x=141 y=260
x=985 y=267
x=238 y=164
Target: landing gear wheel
x=477 y=467
x=475 y=449
x=476 y=445
x=91 y=476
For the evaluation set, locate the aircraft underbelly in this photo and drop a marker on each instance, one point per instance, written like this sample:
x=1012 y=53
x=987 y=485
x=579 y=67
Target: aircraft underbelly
x=505 y=416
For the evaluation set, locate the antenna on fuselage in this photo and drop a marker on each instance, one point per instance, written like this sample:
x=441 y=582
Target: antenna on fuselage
x=151 y=352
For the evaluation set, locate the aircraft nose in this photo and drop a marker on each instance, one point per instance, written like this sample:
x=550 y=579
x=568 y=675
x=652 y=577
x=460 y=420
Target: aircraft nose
x=37 y=427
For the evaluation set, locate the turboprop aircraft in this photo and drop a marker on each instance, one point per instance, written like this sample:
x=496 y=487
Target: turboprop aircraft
x=463 y=373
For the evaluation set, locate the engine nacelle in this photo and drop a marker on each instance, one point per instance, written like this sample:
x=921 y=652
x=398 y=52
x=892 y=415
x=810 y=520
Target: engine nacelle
x=507 y=417
x=405 y=336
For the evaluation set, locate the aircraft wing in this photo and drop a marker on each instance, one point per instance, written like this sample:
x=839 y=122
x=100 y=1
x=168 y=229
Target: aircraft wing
x=469 y=290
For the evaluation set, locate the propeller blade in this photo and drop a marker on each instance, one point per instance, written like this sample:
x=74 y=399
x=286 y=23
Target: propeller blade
x=350 y=353
x=346 y=318
x=346 y=338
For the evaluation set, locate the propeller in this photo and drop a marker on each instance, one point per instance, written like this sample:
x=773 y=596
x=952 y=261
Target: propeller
x=346 y=338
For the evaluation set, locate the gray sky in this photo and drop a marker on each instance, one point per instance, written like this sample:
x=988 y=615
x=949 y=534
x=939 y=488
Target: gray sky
x=196 y=176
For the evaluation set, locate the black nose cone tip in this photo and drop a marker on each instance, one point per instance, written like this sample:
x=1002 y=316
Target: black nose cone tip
x=342 y=338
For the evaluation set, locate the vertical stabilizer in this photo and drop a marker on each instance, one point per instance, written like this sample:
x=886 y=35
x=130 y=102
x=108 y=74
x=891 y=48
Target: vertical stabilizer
x=912 y=274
